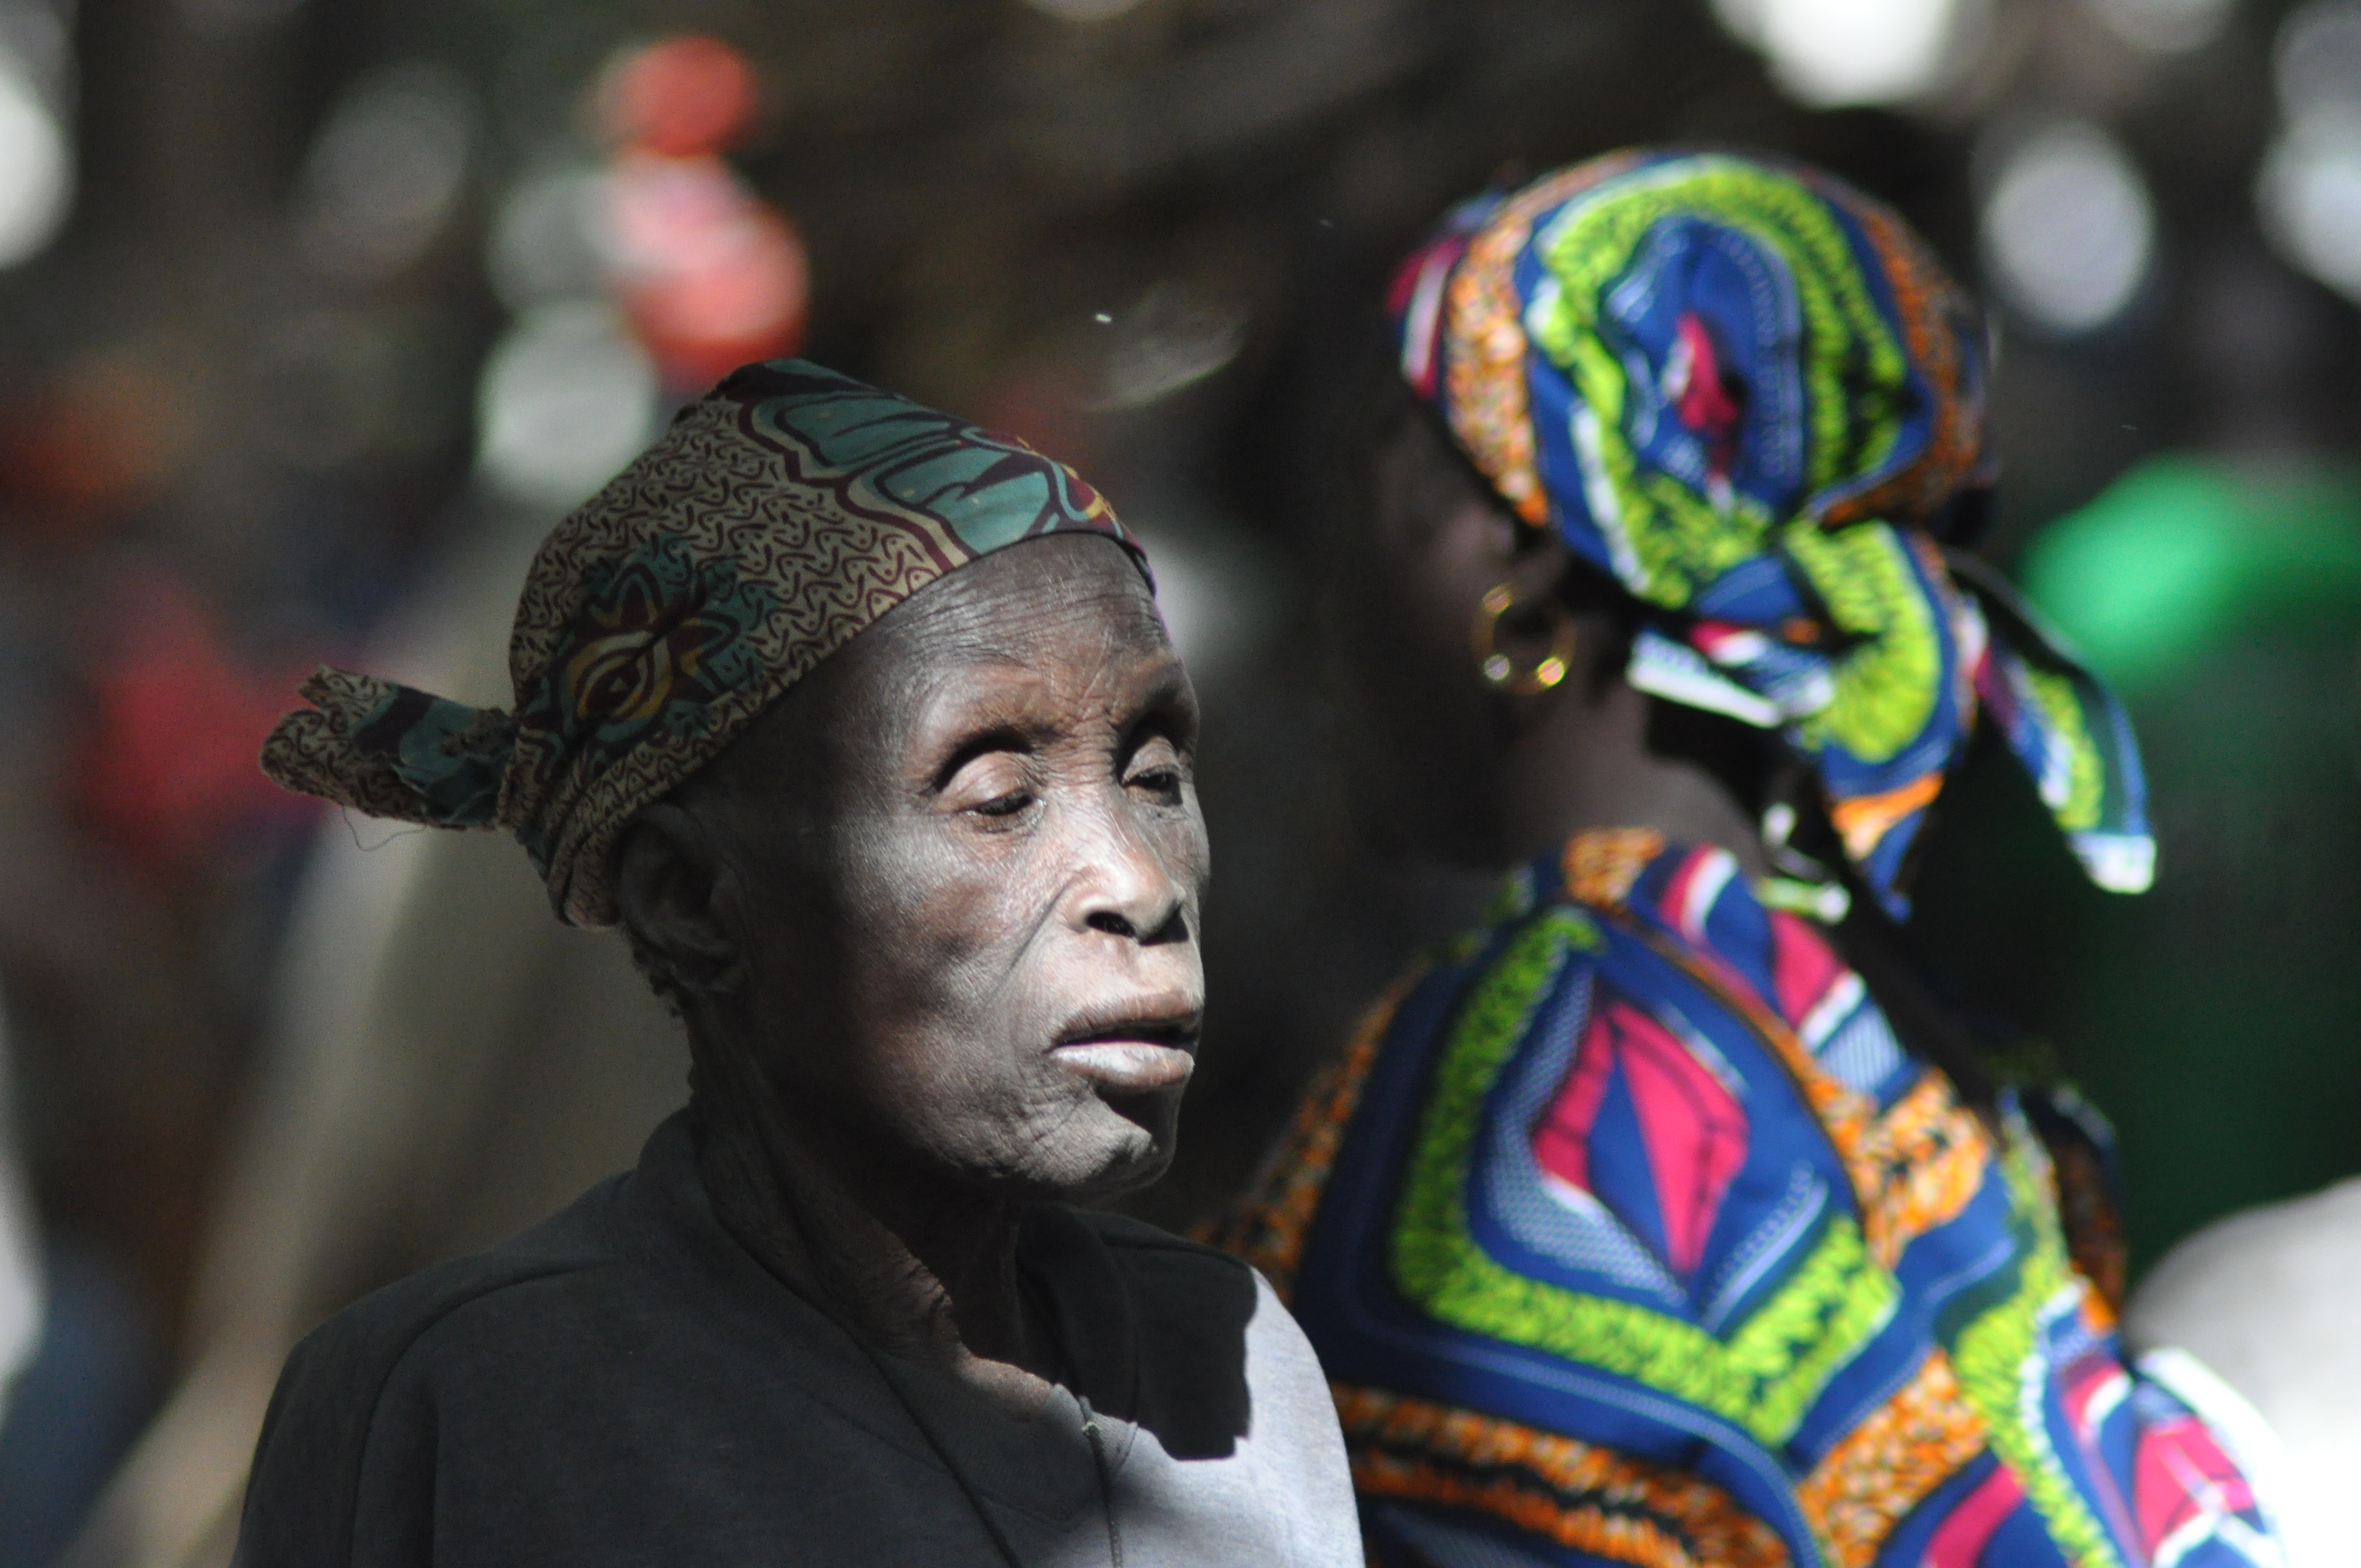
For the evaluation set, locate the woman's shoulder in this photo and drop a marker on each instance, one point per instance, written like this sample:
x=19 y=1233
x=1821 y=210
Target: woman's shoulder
x=387 y=1321
x=1216 y=1350
x=303 y=1499
x=625 y=1250
x=1181 y=1295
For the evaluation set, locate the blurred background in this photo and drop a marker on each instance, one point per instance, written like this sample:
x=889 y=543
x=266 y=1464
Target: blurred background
x=313 y=316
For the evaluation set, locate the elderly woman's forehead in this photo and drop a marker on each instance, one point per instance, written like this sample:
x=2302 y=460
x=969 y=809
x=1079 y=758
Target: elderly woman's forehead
x=1050 y=602
x=1018 y=596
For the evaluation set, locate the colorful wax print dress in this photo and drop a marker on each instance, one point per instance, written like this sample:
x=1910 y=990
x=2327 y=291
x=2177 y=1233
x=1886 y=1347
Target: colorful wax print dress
x=1628 y=1233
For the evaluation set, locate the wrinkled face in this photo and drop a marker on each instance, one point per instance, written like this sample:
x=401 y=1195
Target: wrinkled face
x=972 y=862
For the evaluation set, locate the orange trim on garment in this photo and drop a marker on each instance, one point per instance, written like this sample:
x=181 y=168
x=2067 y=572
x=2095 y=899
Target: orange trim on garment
x=1887 y=1465
x=1864 y=821
x=1577 y=1494
x=1600 y=865
x=1930 y=1155
x=1911 y=1169
x=1483 y=338
x=1930 y=308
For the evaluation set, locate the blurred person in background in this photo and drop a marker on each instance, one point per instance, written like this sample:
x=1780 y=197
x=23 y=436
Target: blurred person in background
x=923 y=883
x=445 y=1066
x=442 y=1065
x=76 y=1365
x=1667 y=1217
x=20 y=1272
x=2265 y=1300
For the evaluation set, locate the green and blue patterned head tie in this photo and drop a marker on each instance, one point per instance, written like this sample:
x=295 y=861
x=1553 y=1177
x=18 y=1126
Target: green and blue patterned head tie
x=781 y=515
x=1752 y=395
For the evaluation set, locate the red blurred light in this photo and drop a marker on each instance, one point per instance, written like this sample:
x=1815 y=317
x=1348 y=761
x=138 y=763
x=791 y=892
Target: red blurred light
x=171 y=739
x=710 y=276
x=680 y=98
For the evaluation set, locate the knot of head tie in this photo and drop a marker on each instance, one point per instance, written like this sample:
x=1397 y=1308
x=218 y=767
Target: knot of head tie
x=394 y=752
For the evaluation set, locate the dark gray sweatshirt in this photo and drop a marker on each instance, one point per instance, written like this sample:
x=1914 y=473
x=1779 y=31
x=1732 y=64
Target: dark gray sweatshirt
x=625 y=1385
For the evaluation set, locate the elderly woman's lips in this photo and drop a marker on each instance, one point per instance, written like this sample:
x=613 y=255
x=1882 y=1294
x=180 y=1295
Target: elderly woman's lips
x=1131 y=1065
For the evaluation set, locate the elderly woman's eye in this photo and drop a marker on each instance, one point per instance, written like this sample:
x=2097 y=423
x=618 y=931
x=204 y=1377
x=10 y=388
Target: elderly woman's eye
x=997 y=784
x=1157 y=767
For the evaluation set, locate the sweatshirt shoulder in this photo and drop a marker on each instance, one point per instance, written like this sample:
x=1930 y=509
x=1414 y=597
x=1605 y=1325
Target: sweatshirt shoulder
x=382 y=1325
x=302 y=1495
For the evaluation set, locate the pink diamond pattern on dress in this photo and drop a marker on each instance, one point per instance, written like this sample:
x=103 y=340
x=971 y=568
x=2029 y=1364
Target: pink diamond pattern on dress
x=1694 y=1129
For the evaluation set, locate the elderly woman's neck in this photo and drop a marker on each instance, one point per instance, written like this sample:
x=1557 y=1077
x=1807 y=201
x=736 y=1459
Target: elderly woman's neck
x=917 y=1270
x=1585 y=763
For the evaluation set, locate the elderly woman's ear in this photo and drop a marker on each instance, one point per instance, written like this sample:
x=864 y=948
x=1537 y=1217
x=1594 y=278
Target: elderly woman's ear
x=675 y=893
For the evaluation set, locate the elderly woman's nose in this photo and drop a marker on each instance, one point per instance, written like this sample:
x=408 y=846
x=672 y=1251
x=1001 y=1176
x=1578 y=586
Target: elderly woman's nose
x=1128 y=887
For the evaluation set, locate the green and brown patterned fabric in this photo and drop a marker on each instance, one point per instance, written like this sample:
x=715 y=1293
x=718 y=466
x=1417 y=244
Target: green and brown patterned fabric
x=782 y=514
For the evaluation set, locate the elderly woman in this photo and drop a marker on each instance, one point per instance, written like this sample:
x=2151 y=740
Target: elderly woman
x=862 y=724
x=1642 y=1225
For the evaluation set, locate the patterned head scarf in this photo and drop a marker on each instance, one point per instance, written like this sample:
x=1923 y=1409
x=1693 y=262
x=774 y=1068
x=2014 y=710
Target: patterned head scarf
x=782 y=514
x=1752 y=395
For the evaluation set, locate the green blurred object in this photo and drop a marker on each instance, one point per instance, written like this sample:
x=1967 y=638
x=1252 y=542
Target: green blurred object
x=2217 y=1018
x=2184 y=551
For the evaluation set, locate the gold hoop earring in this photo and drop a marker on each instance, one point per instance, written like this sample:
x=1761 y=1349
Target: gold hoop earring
x=1497 y=668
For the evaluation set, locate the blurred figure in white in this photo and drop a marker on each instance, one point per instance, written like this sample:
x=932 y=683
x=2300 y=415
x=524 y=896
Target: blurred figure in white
x=2266 y=1300
x=20 y=1263
x=76 y=1365
x=445 y=1065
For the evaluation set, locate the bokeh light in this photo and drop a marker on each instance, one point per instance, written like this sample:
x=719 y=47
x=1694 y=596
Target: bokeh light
x=1082 y=10
x=2309 y=194
x=2069 y=232
x=35 y=164
x=167 y=737
x=710 y=277
x=544 y=240
x=1829 y=54
x=105 y=437
x=678 y=98
x=1214 y=590
x=2308 y=190
x=567 y=398
x=1171 y=338
x=384 y=171
x=2316 y=59
x=21 y=1265
x=2165 y=26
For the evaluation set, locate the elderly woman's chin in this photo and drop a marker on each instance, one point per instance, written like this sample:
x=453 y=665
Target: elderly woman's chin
x=1074 y=1143
x=1118 y=1151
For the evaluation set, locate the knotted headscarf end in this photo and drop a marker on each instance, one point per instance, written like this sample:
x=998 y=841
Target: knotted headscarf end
x=394 y=752
x=781 y=514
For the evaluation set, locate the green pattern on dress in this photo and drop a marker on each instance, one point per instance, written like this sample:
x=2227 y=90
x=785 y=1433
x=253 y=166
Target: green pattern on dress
x=2002 y=1372
x=1763 y=1377
x=1856 y=375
